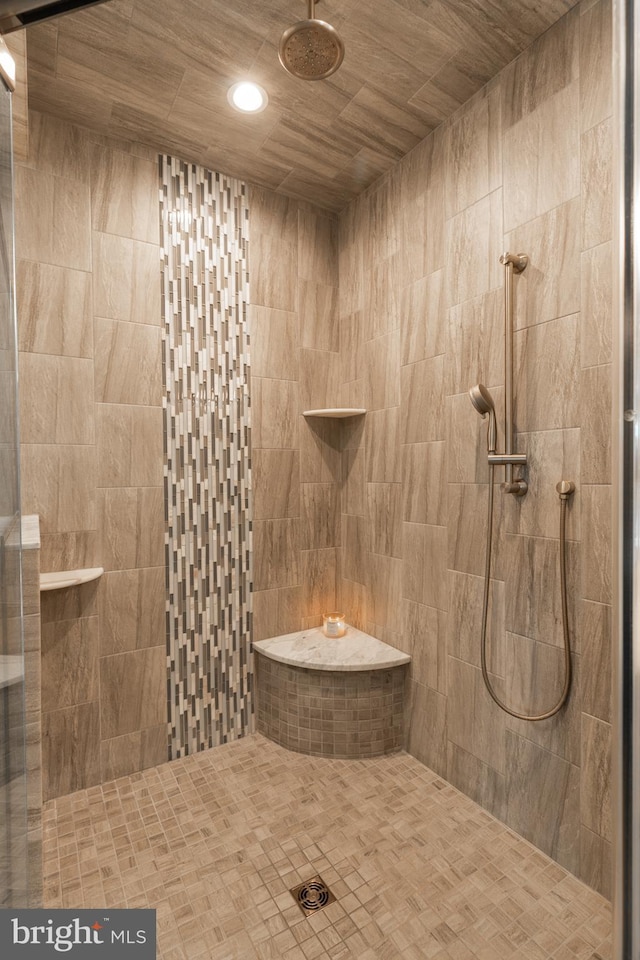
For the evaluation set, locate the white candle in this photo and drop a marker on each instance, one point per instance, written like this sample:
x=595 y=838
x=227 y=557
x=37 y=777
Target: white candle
x=333 y=625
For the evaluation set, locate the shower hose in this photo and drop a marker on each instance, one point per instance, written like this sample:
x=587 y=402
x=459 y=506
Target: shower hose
x=565 y=616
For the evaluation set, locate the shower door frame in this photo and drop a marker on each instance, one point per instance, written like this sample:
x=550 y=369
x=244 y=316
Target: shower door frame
x=626 y=483
x=14 y=840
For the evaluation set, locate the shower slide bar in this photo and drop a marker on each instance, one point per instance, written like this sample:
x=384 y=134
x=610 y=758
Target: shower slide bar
x=513 y=263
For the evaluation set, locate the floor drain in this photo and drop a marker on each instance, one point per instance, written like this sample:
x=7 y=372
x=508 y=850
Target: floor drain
x=312 y=895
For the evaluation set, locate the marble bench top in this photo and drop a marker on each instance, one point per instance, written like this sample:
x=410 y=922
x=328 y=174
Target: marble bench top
x=311 y=649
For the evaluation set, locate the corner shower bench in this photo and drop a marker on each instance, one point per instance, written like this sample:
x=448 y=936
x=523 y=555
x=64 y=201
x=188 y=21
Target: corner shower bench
x=326 y=697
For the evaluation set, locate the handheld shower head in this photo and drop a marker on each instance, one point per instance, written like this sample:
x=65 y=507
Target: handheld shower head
x=481 y=399
x=483 y=402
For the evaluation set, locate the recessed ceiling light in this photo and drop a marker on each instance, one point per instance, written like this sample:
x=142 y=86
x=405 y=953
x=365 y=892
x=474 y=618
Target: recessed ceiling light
x=247 y=97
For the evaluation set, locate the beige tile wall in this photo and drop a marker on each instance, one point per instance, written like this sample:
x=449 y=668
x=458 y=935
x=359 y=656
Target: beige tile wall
x=92 y=455
x=92 y=450
x=524 y=166
x=296 y=463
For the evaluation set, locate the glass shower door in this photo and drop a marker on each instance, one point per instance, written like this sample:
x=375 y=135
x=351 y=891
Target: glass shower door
x=13 y=790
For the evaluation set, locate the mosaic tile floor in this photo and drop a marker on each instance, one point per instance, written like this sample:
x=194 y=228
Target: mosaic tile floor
x=214 y=842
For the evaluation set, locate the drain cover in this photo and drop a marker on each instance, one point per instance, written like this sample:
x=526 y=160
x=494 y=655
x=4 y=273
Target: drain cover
x=312 y=895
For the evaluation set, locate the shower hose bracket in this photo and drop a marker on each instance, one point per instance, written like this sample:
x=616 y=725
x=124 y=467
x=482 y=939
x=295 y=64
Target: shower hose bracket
x=565 y=489
x=518 y=261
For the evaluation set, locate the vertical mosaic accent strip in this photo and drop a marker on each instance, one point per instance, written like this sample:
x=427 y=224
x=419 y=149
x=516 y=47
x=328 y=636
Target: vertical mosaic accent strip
x=205 y=277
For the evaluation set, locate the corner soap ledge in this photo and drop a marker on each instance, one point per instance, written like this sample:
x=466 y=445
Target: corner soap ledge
x=68 y=578
x=335 y=413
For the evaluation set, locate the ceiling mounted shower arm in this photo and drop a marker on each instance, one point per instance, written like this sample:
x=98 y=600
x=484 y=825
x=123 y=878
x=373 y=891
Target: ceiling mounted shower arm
x=512 y=263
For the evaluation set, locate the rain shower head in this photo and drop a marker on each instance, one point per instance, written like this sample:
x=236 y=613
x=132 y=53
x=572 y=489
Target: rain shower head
x=311 y=49
x=483 y=402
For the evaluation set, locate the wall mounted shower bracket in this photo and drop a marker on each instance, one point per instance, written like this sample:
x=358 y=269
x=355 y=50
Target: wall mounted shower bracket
x=517 y=260
x=483 y=402
x=502 y=459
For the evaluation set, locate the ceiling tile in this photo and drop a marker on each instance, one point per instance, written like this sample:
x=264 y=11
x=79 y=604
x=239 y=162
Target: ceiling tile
x=158 y=74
